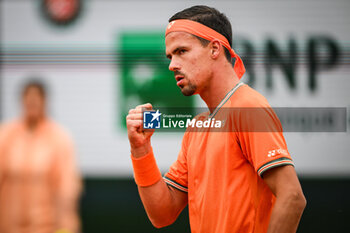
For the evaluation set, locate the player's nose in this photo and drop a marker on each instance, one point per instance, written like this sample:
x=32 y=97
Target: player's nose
x=174 y=65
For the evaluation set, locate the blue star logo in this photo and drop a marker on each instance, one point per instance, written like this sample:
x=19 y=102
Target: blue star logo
x=151 y=119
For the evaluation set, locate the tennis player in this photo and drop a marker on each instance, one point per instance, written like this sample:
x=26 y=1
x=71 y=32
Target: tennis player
x=239 y=181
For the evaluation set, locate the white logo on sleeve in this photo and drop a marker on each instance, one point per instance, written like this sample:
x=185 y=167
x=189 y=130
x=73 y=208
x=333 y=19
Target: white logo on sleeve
x=273 y=153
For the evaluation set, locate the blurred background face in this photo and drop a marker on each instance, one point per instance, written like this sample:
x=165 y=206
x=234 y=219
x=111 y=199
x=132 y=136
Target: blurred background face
x=33 y=104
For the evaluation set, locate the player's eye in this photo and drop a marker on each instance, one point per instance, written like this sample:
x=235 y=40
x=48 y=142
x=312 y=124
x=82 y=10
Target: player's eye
x=182 y=51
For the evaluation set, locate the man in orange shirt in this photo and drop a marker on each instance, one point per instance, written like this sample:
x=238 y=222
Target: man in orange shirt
x=39 y=182
x=239 y=180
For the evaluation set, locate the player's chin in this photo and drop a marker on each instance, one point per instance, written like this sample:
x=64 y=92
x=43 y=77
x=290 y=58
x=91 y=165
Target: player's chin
x=187 y=91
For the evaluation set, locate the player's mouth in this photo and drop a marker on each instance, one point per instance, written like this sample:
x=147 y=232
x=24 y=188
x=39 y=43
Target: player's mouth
x=179 y=80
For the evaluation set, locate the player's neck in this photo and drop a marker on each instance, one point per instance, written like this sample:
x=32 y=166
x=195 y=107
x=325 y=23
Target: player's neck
x=223 y=80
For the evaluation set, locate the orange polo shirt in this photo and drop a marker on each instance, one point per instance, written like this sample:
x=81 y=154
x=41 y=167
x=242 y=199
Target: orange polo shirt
x=221 y=171
x=39 y=182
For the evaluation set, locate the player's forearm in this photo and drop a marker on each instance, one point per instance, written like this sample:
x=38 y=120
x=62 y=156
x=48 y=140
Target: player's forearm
x=160 y=204
x=286 y=213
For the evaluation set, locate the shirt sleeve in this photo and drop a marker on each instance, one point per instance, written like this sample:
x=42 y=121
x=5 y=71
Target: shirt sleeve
x=260 y=135
x=177 y=176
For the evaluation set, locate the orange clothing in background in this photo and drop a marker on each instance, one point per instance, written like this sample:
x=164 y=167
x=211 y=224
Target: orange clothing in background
x=221 y=171
x=39 y=182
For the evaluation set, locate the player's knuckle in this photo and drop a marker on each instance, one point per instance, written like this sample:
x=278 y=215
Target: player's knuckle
x=128 y=123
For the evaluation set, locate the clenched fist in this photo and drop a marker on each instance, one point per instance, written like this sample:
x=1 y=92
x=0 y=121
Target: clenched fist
x=139 y=138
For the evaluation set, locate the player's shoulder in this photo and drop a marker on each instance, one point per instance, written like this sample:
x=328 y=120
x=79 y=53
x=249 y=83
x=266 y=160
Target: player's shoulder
x=247 y=97
x=253 y=112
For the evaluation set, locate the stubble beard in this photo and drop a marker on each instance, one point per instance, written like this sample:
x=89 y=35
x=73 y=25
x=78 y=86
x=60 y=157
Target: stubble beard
x=189 y=89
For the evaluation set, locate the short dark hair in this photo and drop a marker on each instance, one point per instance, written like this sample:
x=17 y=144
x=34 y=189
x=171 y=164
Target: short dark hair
x=35 y=83
x=210 y=17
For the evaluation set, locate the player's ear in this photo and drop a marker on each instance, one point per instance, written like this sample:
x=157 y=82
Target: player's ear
x=215 y=49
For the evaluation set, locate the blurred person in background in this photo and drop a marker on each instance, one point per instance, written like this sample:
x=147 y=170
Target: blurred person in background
x=39 y=182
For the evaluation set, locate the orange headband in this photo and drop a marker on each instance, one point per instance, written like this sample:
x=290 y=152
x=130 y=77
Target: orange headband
x=200 y=30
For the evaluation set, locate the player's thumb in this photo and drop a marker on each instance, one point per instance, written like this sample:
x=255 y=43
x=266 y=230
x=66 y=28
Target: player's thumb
x=144 y=107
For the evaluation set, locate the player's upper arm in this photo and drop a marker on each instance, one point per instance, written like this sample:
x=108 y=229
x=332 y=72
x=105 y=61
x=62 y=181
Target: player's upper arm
x=283 y=180
x=180 y=197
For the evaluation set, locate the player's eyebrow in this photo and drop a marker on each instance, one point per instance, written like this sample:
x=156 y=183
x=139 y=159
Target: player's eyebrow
x=175 y=51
